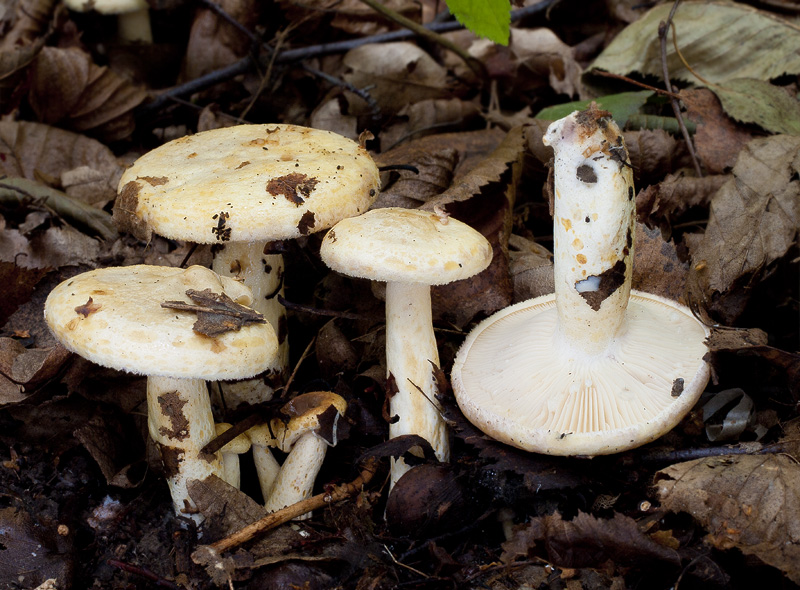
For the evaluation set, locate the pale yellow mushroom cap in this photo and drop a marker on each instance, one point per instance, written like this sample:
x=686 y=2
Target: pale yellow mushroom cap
x=113 y=317
x=406 y=245
x=246 y=183
x=238 y=445
x=303 y=413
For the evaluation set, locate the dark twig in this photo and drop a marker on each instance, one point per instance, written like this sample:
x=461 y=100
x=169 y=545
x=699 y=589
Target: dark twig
x=636 y=83
x=678 y=455
x=316 y=311
x=374 y=107
x=223 y=14
x=143 y=573
x=302 y=53
x=663 y=29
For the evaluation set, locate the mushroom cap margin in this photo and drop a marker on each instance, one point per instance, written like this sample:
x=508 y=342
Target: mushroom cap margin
x=393 y=244
x=122 y=325
x=535 y=393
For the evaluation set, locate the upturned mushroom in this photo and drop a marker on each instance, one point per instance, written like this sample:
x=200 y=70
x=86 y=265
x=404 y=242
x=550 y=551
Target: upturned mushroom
x=299 y=434
x=242 y=188
x=410 y=250
x=115 y=317
x=594 y=368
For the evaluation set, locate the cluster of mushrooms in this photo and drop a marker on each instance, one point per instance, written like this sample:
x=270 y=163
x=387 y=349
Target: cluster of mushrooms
x=573 y=373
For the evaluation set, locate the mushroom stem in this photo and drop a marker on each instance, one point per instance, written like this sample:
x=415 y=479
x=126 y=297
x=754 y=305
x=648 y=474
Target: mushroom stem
x=135 y=26
x=593 y=229
x=410 y=350
x=263 y=274
x=295 y=481
x=180 y=421
x=267 y=467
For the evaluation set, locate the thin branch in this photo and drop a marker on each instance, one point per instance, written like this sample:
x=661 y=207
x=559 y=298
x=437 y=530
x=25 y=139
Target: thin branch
x=636 y=83
x=663 y=28
x=302 y=53
x=274 y=519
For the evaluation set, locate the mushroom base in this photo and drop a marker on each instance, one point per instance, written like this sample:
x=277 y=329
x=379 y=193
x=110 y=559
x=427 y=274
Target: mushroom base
x=518 y=379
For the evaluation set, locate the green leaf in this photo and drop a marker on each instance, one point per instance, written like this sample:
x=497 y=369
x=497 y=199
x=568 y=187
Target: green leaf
x=621 y=106
x=719 y=40
x=755 y=101
x=485 y=18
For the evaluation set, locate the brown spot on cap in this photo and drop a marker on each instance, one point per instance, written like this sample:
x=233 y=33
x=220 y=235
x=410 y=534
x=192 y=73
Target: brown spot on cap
x=87 y=308
x=155 y=180
x=677 y=387
x=295 y=186
x=125 y=213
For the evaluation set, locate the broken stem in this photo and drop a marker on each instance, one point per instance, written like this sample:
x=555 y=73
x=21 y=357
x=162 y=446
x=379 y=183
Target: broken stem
x=336 y=494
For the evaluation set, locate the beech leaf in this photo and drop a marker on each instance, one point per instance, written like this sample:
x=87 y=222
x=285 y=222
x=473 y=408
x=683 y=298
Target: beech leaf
x=759 y=102
x=748 y=502
x=720 y=41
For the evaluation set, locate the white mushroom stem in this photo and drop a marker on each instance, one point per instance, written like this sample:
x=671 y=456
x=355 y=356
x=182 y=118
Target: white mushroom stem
x=410 y=350
x=180 y=421
x=593 y=230
x=295 y=481
x=267 y=467
x=134 y=26
x=231 y=473
x=263 y=274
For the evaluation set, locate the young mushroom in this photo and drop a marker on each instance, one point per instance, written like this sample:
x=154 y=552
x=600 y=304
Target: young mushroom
x=306 y=435
x=410 y=250
x=309 y=427
x=594 y=368
x=133 y=16
x=230 y=454
x=242 y=188
x=115 y=317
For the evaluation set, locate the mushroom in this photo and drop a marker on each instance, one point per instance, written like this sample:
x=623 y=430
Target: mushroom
x=230 y=454
x=299 y=436
x=133 y=16
x=114 y=317
x=242 y=188
x=594 y=368
x=410 y=250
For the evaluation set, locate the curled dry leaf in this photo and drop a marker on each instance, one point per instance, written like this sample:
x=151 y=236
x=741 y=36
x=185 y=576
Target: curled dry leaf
x=718 y=139
x=531 y=268
x=747 y=502
x=215 y=43
x=753 y=221
x=23 y=23
x=87 y=169
x=656 y=266
x=658 y=203
x=397 y=73
x=68 y=89
x=587 y=541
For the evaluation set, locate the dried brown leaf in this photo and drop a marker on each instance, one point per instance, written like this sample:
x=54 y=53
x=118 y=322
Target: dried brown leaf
x=215 y=43
x=31 y=552
x=754 y=219
x=719 y=138
x=656 y=266
x=674 y=195
x=397 y=73
x=18 y=285
x=33 y=151
x=69 y=90
x=750 y=502
x=531 y=268
x=587 y=541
